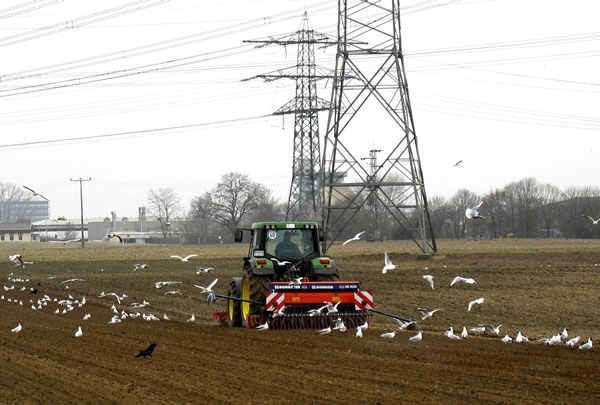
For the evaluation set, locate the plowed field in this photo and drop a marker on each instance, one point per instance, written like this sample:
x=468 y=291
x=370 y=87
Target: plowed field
x=538 y=290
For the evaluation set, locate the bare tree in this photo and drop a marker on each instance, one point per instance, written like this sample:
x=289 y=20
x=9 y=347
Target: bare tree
x=234 y=197
x=163 y=205
x=548 y=196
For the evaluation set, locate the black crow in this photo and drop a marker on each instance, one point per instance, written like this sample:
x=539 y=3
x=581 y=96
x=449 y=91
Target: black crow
x=147 y=351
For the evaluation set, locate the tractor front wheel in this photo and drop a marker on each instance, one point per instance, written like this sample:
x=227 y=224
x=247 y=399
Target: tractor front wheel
x=254 y=288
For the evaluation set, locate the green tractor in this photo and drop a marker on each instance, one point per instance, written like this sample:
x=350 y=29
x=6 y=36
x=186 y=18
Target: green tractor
x=282 y=256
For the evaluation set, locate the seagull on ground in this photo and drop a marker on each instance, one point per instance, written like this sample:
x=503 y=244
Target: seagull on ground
x=161 y=284
x=594 y=221
x=208 y=288
x=506 y=339
x=416 y=338
x=140 y=266
x=264 y=326
x=172 y=292
x=464 y=333
x=521 y=339
x=356 y=237
x=429 y=279
x=17 y=328
x=493 y=329
x=204 y=269
x=587 y=345
x=564 y=334
x=426 y=313
x=466 y=280
x=364 y=326
x=191 y=318
x=35 y=193
x=388 y=264
x=572 y=342
x=184 y=259
x=478 y=329
x=477 y=301
x=359 y=332
x=473 y=212
x=388 y=335
x=324 y=331
x=79 y=332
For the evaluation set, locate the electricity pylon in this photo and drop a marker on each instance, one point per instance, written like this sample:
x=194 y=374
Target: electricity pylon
x=371 y=106
x=305 y=186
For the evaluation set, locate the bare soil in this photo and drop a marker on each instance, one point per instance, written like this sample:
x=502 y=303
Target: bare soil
x=204 y=362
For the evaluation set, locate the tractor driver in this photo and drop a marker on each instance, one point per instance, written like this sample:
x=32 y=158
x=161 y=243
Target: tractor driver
x=287 y=249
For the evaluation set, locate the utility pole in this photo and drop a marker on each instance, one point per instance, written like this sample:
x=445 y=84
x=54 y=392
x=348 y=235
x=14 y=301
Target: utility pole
x=370 y=89
x=80 y=180
x=305 y=188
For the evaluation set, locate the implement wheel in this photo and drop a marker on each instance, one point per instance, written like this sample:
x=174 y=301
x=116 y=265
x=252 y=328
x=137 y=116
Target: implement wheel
x=234 y=308
x=327 y=277
x=255 y=288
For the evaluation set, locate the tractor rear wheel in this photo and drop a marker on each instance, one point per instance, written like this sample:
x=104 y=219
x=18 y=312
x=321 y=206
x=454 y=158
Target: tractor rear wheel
x=234 y=310
x=254 y=288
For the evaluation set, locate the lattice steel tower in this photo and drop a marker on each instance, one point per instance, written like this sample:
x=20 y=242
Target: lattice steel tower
x=305 y=187
x=371 y=106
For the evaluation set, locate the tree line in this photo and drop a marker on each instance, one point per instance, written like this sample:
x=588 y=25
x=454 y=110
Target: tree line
x=525 y=208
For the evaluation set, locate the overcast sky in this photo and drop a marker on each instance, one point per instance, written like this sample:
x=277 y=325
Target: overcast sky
x=138 y=95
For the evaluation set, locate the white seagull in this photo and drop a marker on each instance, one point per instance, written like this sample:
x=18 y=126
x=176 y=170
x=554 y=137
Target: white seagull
x=35 y=193
x=426 y=313
x=79 y=332
x=405 y=325
x=429 y=279
x=324 y=331
x=506 y=339
x=356 y=237
x=564 y=334
x=464 y=333
x=473 y=212
x=208 y=288
x=478 y=329
x=140 y=266
x=594 y=221
x=264 y=326
x=364 y=326
x=331 y=309
x=161 y=284
x=339 y=325
x=280 y=262
x=572 y=342
x=17 y=328
x=204 y=269
x=359 y=332
x=493 y=329
x=388 y=335
x=521 y=339
x=184 y=259
x=191 y=318
x=587 y=345
x=388 y=264
x=416 y=338
x=466 y=280
x=477 y=301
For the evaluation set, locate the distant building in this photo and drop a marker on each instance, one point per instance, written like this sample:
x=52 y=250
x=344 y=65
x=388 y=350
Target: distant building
x=13 y=212
x=58 y=230
x=15 y=232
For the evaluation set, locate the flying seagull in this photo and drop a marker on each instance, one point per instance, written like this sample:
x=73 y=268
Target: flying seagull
x=139 y=266
x=594 y=221
x=280 y=262
x=477 y=301
x=405 y=325
x=161 y=284
x=426 y=313
x=324 y=331
x=457 y=163
x=35 y=193
x=388 y=264
x=466 y=280
x=473 y=212
x=200 y=270
x=429 y=279
x=208 y=288
x=493 y=329
x=356 y=237
x=147 y=352
x=184 y=259
x=264 y=326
